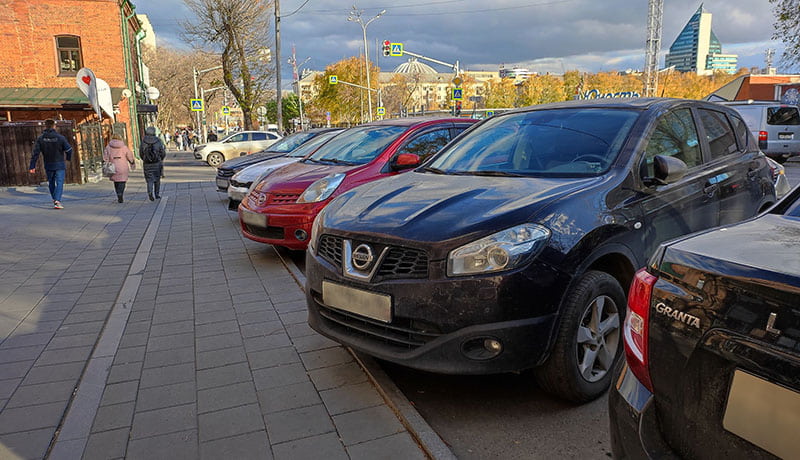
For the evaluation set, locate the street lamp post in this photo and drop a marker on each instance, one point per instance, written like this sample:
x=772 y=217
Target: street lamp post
x=296 y=76
x=355 y=16
x=203 y=92
x=278 y=95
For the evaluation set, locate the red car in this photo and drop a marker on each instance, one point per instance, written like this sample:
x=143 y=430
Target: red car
x=281 y=209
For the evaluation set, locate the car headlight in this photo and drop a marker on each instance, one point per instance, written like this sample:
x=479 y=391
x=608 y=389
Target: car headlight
x=321 y=189
x=315 y=229
x=503 y=250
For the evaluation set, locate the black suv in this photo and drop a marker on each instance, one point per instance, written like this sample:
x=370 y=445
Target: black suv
x=512 y=248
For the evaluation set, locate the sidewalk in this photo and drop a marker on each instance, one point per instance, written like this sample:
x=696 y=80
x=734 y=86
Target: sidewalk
x=154 y=330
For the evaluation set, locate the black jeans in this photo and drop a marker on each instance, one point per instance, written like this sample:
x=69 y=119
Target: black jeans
x=152 y=174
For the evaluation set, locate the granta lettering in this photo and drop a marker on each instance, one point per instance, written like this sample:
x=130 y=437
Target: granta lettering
x=673 y=313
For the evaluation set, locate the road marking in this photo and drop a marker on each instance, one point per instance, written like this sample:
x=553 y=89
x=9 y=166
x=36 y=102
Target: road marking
x=70 y=440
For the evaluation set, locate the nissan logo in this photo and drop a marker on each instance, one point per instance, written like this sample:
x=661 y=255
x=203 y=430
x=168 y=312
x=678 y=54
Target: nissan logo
x=262 y=198
x=362 y=256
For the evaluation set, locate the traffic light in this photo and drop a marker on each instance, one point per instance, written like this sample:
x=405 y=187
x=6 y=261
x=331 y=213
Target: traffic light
x=458 y=108
x=387 y=48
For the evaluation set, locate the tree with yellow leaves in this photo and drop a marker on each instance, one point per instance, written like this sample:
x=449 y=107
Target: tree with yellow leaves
x=347 y=104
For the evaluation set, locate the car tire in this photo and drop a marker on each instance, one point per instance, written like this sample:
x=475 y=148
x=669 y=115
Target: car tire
x=215 y=159
x=579 y=368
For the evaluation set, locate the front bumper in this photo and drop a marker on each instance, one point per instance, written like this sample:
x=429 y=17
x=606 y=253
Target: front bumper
x=223 y=183
x=198 y=156
x=237 y=193
x=634 y=426
x=288 y=230
x=440 y=325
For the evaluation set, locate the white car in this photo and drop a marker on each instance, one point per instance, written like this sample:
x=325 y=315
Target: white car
x=243 y=181
x=236 y=144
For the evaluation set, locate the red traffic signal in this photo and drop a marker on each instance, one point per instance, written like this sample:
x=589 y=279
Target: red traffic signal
x=387 y=48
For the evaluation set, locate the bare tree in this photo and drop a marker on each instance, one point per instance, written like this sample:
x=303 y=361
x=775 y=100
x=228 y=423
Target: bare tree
x=239 y=31
x=170 y=72
x=787 y=29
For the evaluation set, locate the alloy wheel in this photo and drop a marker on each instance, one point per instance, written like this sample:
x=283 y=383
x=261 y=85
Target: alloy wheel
x=598 y=338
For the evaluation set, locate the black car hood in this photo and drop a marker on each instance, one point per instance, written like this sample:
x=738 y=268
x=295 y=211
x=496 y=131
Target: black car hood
x=431 y=207
x=247 y=160
x=761 y=248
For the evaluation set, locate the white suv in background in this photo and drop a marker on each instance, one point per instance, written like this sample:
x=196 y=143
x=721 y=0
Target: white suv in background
x=236 y=144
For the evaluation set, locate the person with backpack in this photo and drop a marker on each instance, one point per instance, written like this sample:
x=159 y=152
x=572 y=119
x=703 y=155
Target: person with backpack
x=55 y=151
x=152 y=153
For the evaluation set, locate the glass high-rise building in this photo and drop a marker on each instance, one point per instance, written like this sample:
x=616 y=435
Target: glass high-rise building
x=697 y=48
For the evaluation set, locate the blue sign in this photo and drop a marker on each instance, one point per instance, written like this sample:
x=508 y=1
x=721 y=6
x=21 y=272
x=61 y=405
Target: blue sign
x=197 y=105
x=328 y=116
x=226 y=110
x=381 y=110
x=489 y=113
x=458 y=94
x=396 y=50
x=333 y=79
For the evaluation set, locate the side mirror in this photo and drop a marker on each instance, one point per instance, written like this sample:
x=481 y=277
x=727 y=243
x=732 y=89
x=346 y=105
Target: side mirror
x=241 y=154
x=406 y=161
x=668 y=169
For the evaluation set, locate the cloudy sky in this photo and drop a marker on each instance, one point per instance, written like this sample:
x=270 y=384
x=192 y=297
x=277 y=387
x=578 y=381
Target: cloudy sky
x=542 y=35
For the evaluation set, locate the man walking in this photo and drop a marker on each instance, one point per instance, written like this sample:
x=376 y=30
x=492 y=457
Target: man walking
x=152 y=153
x=56 y=151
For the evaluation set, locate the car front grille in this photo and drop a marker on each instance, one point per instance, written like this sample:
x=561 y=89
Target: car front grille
x=399 y=263
x=272 y=233
x=282 y=198
x=401 y=335
x=223 y=173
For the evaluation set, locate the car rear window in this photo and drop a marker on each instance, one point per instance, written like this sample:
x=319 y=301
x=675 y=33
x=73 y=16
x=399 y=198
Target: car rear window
x=783 y=116
x=751 y=115
x=719 y=133
x=358 y=145
x=556 y=142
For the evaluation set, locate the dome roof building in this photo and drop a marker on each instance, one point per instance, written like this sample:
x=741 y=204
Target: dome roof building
x=414 y=66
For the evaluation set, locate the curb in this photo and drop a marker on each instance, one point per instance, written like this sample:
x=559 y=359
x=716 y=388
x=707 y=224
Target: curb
x=430 y=442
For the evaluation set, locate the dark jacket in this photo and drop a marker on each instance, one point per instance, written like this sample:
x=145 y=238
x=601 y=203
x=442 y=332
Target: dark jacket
x=55 y=150
x=156 y=144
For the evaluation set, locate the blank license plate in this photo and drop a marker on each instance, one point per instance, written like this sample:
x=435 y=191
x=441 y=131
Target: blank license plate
x=763 y=413
x=785 y=136
x=222 y=183
x=360 y=302
x=253 y=218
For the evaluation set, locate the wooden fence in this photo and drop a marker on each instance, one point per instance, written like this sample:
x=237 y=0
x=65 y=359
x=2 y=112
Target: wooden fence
x=16 y=148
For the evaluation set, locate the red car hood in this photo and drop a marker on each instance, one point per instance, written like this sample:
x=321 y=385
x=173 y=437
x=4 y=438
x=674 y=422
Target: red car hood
x=296 y=177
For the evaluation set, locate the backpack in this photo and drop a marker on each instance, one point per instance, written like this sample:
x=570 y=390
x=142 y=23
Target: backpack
x=149 y=153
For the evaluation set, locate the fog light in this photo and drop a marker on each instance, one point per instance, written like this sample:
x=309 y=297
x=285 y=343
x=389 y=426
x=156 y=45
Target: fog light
x=482 y=348
x=492 y=345
x=301 y=235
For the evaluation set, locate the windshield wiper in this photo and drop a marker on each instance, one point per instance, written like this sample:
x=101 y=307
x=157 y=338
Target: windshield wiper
x=491 y=173
x=433 y=170
x=312 y=160
x=337 y=161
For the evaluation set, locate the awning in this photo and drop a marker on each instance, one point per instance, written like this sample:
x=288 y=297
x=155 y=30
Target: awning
x=54 y=98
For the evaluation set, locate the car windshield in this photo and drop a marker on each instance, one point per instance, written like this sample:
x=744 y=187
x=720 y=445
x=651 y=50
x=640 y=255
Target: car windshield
x=312 y=145
x=569 y=142
x=358 y=145
x=289 y=143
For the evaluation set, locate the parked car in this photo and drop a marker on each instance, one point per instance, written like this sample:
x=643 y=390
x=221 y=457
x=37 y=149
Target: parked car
x=778 y=172
x=512 y=248
x=214 y=153
x=244 y=180
x=227 y=169
x=711 y=342
x=282 y=207
x=775 y=125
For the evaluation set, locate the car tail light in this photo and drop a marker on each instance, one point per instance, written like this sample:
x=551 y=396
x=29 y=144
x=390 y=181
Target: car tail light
x=636 y=326
x=762 y=135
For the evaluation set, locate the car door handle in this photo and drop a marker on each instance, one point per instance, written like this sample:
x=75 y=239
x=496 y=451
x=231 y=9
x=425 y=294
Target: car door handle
x=710 y=189
x=752 y=174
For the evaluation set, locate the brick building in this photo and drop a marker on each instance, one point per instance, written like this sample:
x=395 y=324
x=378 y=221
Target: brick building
x=45 y=43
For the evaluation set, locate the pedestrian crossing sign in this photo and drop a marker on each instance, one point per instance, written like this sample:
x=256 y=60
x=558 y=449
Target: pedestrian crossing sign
x=458 y=94
x=333 y=79
x=489 y=113
x=226 y=110
x=197 y=105
x=381 y=111
x=396 y=49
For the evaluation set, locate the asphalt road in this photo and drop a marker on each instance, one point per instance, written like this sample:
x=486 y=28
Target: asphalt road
x=508 y=416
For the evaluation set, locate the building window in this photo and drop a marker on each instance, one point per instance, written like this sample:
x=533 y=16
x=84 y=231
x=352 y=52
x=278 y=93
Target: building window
x=69 y=55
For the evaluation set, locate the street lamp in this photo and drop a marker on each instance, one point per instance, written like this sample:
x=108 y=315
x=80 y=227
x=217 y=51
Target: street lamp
x=196 y=73
x=355 y=16
x=203 y=92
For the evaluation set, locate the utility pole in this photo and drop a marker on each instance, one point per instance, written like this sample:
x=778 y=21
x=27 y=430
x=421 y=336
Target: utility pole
x=278 y=95
x=655 y=16
x=355 y=16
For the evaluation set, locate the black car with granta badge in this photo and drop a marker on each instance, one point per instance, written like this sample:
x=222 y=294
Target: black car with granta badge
x=513 y=247
x=712 y=341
